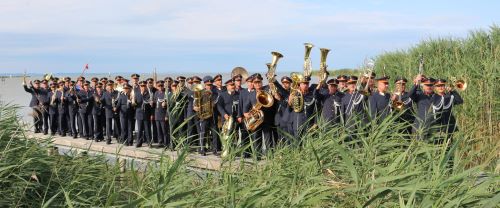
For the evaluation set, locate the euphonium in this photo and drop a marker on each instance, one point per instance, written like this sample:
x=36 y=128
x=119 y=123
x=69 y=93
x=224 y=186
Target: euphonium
x=227 y=128
x=296 y=99
x=307 y=60
x=256 y=117
x=323 y=74
x=202 y=101
x=271 y=72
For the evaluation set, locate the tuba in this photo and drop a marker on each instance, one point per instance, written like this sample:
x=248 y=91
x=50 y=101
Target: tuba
x=296 y=99
x=202 y=101
x=264 y=99
x=241 y=71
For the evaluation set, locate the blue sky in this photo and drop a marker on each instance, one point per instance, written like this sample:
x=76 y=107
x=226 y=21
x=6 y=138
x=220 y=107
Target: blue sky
x=215 y=36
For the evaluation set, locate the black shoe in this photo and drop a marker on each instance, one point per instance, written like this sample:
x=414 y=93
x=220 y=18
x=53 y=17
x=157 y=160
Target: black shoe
x=45 y=133
x=52 y=134
x=202 y=152
x=74 y=136
x=37 y=131
x=108 y=142
x=63 y=135
x=87 y=138
x=138 y=145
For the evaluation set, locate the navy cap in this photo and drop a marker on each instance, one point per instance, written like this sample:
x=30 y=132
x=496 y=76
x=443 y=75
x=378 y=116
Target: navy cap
x=180 y=78
x=175 y=83
x=400 y=80
x=332 y=82
x=383 y=79
x=95 y=79
x=196 y=79
x=217 y=77
x=286 y=79
x=257 y=76
x=135 y=76
x=440 y=82
x=207 y=79
x=229 y=81
x=352 y=80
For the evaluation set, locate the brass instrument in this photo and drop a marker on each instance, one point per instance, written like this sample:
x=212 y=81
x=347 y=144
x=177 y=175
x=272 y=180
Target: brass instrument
x=398 y=104
x=307 y=59
x=48 y=77
x=132 y=97
x=271 y=72
x=323 y=73
x=202 y=101
x=296 y=99
x=241 y=71
x=227 y=128
x=264 y=99
x=363 y=87
x=118 y=87
x=459 y=84
x=53 y=98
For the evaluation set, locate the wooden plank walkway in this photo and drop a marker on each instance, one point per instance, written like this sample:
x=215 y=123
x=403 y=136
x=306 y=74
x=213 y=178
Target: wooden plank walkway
x=209 y=162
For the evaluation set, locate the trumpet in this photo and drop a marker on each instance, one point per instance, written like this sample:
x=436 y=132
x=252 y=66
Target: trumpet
x=459 y=84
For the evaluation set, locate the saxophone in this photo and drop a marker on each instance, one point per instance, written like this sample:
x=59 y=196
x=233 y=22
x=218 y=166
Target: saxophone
x=264 y=99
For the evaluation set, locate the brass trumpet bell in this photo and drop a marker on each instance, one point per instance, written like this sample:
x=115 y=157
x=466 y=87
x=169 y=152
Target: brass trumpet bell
x=460 y=85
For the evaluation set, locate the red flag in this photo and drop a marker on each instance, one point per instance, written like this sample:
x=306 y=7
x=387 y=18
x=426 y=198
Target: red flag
x=86 y=66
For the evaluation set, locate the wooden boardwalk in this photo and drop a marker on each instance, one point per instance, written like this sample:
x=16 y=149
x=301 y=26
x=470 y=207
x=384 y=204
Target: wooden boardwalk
x=144 y=153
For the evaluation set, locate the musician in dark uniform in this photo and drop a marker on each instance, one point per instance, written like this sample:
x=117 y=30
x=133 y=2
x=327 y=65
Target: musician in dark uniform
x=124 y=106
x=262 y=135
x=98 y=112
x=192 y=129
x=228 y=102
x=73 y=109
x=62 y=109
x=342 y=86
x=93 y=84
x=282 y=118
x=151 y=88
x=67 y=83
x=303 y=120
x=143 y=113
x=401 y=95
x=34 y=91
x=423 y=97
x=43 y=103
x=331 y=110
x=85 y=103
x=380 y=100
x=160 y=115
x=237 y=82
x=243 y=101
x=206 y=124
x=443 y=120
x=353 y=105
x=109 y=102
x=218 y=83
x=53 y=108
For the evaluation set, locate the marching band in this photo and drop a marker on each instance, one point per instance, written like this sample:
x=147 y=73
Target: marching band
x=215 y=115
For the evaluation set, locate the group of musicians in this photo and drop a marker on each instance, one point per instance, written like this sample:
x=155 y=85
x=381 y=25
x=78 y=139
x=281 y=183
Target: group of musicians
x=200 y=109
